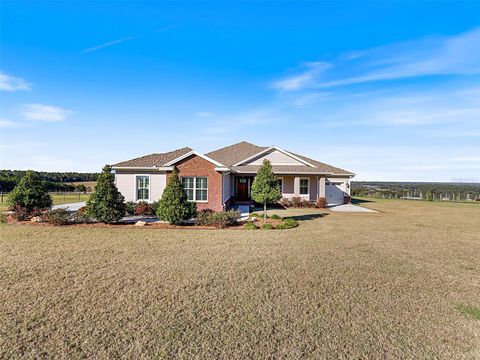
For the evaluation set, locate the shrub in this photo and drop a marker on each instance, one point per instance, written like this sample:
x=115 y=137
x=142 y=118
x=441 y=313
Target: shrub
x=267 y=226
x=275 y=217
x=290 y=223
x=174 y=206
x=106 y=204
x=250 y=226
x=221 y=219
x=143 y=208
x=204 y=217
x=255 y=215
x=57 y=217
x=155 y=206
x=30 y=193
x=296 y=201
x=285 y=202
x=225 y=219
x=321 y=202
x=80 y=216
x=130 y=208
x=19 y=212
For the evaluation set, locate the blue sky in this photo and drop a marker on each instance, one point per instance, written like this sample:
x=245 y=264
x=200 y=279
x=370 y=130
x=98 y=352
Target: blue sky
x=388 y=90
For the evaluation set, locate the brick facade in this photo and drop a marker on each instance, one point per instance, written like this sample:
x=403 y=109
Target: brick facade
x=196 y=166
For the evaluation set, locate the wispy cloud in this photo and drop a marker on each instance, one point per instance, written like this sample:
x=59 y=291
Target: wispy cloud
x=7 y=123
x=311 y=73
x=12 y=83
x=41 y=112
x=204 y=114
x=436 y=55
x=128 y=38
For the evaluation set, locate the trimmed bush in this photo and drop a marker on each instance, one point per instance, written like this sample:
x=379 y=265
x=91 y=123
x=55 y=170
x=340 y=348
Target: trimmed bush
x=250 y=226
x=275 y=217
x=106 y=204
x=285 y=202
x=296 y=201
x=143 y=208
x=57 y=217
x=221 y=219
x=174 y=206
x=130 y=208
x=29 y=194
x=321 y=202
x=267 y=226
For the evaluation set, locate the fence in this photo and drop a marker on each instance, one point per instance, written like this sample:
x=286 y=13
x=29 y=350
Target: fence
x=58 y=196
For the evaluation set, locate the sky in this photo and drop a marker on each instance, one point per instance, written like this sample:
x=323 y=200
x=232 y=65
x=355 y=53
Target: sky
x=387 y=90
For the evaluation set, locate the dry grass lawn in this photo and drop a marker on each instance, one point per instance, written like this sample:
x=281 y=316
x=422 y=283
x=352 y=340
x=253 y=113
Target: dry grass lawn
x=403 y=283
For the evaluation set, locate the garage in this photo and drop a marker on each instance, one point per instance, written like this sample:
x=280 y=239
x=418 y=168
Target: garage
x=334 y=192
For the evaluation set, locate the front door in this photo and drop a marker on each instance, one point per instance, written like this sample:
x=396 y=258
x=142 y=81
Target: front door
x=242 y=184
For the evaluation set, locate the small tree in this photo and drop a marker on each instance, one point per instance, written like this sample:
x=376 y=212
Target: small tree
x=106 y=204
x=30 y=193
x=265 y=187
x=174 y=205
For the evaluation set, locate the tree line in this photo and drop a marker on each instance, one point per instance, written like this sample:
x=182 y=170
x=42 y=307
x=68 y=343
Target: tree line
x=54 y=181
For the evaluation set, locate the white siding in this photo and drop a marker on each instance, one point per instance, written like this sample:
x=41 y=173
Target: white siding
x=276 y=158
x=125 y=181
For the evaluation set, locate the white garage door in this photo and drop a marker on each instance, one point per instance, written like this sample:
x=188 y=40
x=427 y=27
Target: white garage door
x=334 y=193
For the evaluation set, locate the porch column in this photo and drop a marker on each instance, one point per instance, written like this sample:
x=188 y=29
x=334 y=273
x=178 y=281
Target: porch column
x=296 y=186
x=321 y=187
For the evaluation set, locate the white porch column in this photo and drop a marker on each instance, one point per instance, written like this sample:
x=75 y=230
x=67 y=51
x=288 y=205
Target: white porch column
x=296 y=186
x=321 y=187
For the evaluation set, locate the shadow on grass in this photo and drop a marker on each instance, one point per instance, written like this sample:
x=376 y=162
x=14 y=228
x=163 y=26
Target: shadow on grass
x=360 y=201
x=307 y=216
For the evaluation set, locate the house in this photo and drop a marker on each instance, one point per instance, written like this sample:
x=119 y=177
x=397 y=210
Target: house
x=220 y=178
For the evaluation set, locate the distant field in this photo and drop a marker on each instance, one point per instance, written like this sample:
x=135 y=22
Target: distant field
x=399 y=284
x=86 y=183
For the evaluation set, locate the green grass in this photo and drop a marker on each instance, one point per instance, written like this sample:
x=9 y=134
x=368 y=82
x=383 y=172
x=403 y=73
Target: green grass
x=379 y=285
x=469 y=310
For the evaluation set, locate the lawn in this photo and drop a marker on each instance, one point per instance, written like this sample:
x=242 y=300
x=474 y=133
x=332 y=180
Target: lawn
x=400 y=283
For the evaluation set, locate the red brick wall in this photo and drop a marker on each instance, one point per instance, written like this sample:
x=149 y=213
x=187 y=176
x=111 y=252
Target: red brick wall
x=196 y=166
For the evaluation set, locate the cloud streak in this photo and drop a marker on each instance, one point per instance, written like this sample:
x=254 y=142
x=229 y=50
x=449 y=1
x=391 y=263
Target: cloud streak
x=11 y=83
x=128 y=38
x=41 y=112
x=439 y=55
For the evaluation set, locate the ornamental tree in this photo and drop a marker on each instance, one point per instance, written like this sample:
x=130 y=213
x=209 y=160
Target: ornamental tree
x=30 y=193
x=265 y=187
x=174 y=206
x=106 y=204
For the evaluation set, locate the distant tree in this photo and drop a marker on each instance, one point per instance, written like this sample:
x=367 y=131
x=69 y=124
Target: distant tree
x=106 y=204
x=174 y=205
x=30 y=193
x=81 y=188
x=265 y=187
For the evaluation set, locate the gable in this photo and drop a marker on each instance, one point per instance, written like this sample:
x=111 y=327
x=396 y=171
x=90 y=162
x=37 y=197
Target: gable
x=275 y=157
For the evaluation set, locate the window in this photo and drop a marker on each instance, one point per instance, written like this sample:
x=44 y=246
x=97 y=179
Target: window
x=143 y=188
x=196 y=188
x=280 y=184
x=304 y=186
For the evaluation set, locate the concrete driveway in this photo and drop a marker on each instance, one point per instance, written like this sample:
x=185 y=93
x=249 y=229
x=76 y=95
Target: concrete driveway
x=350 y=208
x=71 y=206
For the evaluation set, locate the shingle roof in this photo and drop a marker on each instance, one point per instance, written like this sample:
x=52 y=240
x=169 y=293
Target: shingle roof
x=232 y=154
x=291 y=169
x=159 y=159
x=322 y=166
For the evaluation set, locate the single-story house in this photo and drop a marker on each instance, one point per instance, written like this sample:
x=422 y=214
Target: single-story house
x=223 y=177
